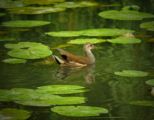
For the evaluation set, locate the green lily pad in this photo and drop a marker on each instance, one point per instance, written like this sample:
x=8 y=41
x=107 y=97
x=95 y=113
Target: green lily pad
x=147 y=25
x=14 y=61
x=76 y=4
x=125 y=15
x=25 y=23
x=5 y=38
x=91 y=32
x=28 y=50
x=41 y=2
x=34 y=10
x=86 y=40
x=147 y=103
x=2 y=14
x=131 y=73
x=150 y=82
x=14 y=114
x=53 y=100
x=61 y=89
x=79 y=111
x=5 y=95
x=125 y=40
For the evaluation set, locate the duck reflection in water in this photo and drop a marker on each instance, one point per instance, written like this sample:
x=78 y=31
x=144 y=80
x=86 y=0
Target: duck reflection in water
x=71 y=63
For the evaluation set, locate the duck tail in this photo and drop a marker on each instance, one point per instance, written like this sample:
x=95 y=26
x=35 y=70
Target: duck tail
x=57 y=59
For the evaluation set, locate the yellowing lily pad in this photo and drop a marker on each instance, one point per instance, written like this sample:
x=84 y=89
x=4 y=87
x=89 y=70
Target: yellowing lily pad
x=14 y=61
x=148 y=25
x=131 y=73
x=28 y=50
x=86 y=40
x=34 y=10
x=125 y=15
x=41 y=2
x=25 y=23
x=61 y=89
x=79 y=111
x=150 y=82
x=76 y=4
x=91 y=32
x=14 y=114
x=147 y=103
x=125 y=40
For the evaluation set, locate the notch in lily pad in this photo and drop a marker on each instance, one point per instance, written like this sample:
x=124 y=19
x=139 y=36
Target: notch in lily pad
x=148 y=25
x=131 y=73
x=25 y=23
x=79 y=111
x=14 y=114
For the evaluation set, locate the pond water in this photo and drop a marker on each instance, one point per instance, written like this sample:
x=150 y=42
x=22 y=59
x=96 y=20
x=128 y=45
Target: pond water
x=105 y=89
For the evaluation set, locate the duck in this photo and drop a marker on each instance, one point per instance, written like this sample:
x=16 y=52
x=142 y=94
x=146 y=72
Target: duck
x=70 y=59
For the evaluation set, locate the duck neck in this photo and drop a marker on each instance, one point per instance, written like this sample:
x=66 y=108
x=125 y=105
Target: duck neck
x=90 y=56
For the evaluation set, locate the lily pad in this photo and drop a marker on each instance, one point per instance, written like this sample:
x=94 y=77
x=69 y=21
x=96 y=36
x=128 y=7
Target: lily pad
x=2 y=14
x=147 y=103
x=148 y=25
x=91 y=32
x=5 y=38
x=5 y=95
x=28 y=50
x=125 y=15
x=34 y=10
x=76 y=4
x=150 y=82
x=131 y=73
x=14 y=61
x=25 y=23
x=79 y=111
x=53 y=100
x=61 y=89
x=14 y=114
x=41 y=2
x=125 y=40
x=86 y=40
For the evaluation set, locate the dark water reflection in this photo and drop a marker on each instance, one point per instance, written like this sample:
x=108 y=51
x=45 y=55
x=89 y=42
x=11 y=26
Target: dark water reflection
x=105 y=89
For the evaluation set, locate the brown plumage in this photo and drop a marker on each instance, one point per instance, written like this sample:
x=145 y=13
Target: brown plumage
x=69 y=59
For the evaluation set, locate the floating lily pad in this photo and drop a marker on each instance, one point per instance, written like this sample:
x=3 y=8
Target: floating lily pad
x=28 y=50
x=86 y=40
x=131 y=73
x=150 y=82
x=41 y=2
x=91 y=32
x=53 y=100
x=61 y=89
x=143 y=103
x=148 y=25
x=76 y=4
x=125 y=40
x=5 y=95
x=79 y=111
x=14 y=114
x=25 y=23
x=35 y=10
x=4 y=38
x=2 y=14
x=125 y=15
x=14 y=61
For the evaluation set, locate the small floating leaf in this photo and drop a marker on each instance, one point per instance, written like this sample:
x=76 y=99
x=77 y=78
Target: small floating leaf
x=14 y=61
x=61 y=89
x=5 y=95
x=148 y=25
x=131 y=73
x=143 y=103
x=5 y=38
x=41 y=2
x=76 y=4
x=150 y=82
x=2 y=14
x=125 y=15
x=79 y=111
x=14 y=114
x=25 y=23
x=125 y=40
x=34 y=10
x=28 y=50
x=86 y=40
x=91 y=32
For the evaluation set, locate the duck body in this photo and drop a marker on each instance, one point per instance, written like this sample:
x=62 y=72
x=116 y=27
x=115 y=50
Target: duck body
x=69 y=59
